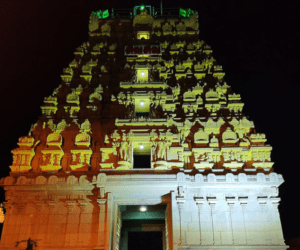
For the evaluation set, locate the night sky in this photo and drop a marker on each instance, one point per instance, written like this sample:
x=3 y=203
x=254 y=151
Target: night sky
x=256 y=42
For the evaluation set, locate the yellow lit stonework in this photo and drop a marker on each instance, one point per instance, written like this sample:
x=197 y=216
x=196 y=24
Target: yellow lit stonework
x=142 y=116
x=143 y=34
x=142 y=75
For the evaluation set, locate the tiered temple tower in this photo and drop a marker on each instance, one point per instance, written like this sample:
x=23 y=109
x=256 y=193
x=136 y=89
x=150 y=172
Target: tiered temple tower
x=143 y=117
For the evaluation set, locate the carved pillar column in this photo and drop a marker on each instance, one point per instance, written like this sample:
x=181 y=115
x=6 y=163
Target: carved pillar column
x=276 y=233
x=72 y=224
x=84 y=227
x=20 y=215
x=101 y=237
x=263 y=220
x=42 y=219
x=231 y=203
x=52 y=205
x=243 y=202
x=212 y=203
x=180 y=203
x=200 y=202
x=109 y=224
x=33 y=220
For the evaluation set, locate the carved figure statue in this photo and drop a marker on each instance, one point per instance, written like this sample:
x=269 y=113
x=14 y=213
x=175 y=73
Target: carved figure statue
x=124 y=149
x=176 y=91
x=184 y=132
x=161 y=149
x=161 y=152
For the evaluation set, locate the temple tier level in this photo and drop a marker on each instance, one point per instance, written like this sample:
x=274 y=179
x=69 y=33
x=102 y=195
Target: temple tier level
x=143 y=117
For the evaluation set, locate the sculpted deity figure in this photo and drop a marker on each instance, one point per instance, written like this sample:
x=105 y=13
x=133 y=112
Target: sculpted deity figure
x=161 y=149
x=184 y=132
x=176 y=91
x=124 y=148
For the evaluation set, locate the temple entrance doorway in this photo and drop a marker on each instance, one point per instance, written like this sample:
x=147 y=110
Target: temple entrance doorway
x=145 y=240
x=143 y=227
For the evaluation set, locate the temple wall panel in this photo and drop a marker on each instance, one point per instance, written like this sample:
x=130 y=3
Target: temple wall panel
x=208 y=211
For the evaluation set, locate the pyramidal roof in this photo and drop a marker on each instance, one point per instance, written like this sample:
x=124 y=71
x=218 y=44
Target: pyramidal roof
x=143 y=85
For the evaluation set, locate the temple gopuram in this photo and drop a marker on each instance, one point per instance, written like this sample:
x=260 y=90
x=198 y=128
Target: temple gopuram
x=142 y=136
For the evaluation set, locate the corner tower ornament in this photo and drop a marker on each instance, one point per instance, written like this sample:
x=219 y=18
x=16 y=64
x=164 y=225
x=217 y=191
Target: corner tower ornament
x=143 y=116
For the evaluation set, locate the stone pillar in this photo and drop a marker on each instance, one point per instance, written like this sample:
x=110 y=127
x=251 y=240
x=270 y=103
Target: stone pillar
x=109 y=219
x=231 y=204
x=200 y=203
x=243 y=202
x=263 y=221
x=49 y=239
x=101 y=236
x=85 y=221
x=72 y=224
x=181 y=231
x=175 y=221
x=212 y=203
x=21 y=221
x=275 y=230
x=40 y=228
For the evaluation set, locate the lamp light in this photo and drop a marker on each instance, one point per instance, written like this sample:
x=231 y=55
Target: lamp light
x=142 y=146
x=142 y=7
x=142 y=73
x=143 y=209
x=142 y=104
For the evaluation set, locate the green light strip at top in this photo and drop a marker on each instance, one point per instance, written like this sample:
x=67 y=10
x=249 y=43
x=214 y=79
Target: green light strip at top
x=186 y=12
x=101 y=14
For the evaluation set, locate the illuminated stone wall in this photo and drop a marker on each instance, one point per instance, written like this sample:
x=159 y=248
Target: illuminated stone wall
x=143 y=86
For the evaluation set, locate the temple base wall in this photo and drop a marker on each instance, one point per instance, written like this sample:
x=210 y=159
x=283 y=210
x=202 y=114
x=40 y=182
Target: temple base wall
x=204 y=212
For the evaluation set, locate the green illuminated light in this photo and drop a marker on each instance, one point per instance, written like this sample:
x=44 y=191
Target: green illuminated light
x=101 y=14
x=186 y=12
x=142 y=8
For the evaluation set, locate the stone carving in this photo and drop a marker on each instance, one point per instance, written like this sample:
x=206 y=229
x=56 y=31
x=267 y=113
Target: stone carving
x=176 y=91
x=214 y=142
x=161 y=149
x=61 y=126
x=40 y=180
x=184 y=132
x=189 y=96
x=213 y=127
x=201 y=137
x=143 y=18
x=198 y=90
x=95 y=95
x=81 y=153
x=23 y=155
x=229 y=136
x=86 y=126
x=211 y=95
x=73 y=98
x=124 y=148
x=93 y=24
x=105 y=29
x=53 y=179
x=52 y=153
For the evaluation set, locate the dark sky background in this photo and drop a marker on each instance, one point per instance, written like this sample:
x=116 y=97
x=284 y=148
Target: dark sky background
x=256 y=42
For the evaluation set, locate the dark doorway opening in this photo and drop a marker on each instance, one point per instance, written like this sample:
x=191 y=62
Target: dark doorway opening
x=141 y=161
x=145 y=241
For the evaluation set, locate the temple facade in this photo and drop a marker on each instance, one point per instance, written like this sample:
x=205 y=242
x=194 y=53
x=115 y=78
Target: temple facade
x=142 y=135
